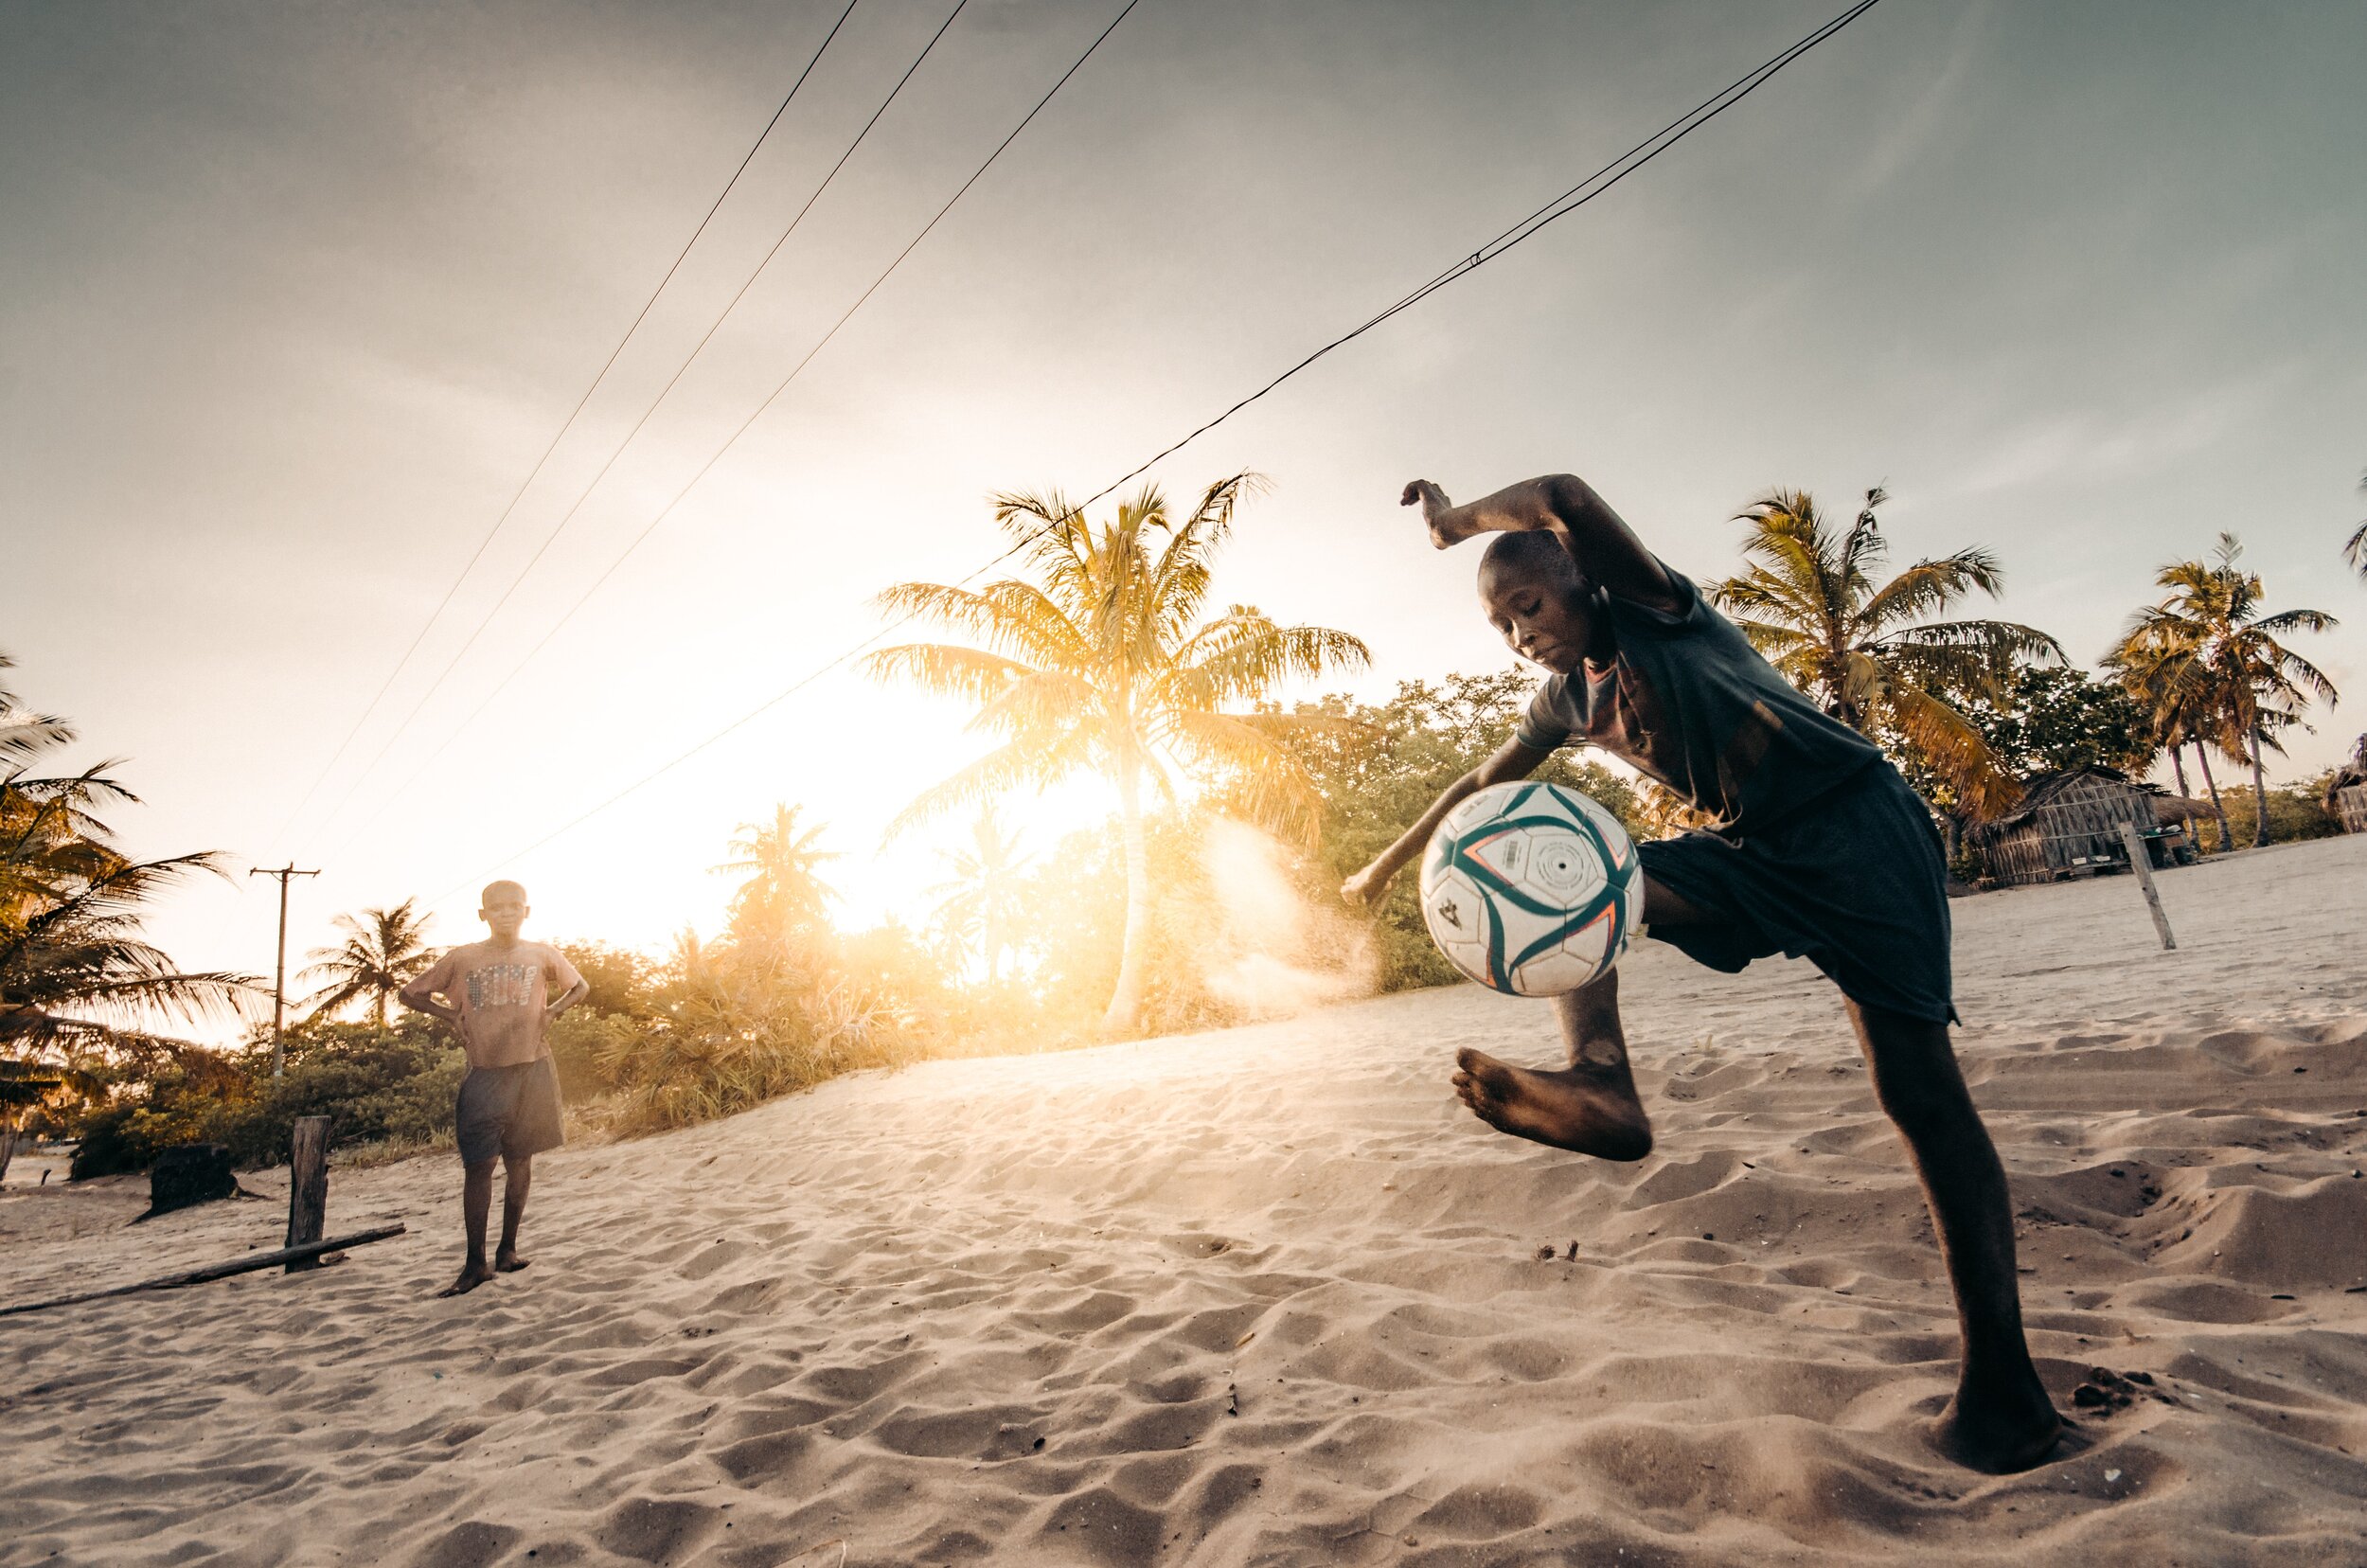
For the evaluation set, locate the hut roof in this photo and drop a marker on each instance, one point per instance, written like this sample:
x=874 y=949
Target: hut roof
x=2039 y=789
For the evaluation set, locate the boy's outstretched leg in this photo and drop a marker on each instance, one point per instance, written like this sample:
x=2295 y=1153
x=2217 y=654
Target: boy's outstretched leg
x=1591 y=1106
x=476 y=1204
x=2000 y=1418
x=518 y=1175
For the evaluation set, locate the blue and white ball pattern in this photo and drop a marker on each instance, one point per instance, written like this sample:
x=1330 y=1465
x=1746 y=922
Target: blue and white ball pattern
x=1532 y=889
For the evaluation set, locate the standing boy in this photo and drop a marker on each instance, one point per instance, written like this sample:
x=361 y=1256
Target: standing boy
x=1819 y=851
x=498 y=995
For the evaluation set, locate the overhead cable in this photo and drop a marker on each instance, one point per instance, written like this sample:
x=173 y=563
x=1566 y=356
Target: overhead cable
x=574 y=414
x=1560 y=206
x=771 y=398
x=560 y=526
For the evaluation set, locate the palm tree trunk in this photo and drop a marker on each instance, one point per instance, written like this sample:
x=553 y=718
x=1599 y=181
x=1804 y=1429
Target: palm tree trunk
x=2178 y=768
x=2227 y=839
x=1126 y=1002
x=2259 y=795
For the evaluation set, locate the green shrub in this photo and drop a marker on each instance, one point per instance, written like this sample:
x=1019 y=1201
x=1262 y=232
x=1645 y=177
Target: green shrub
x=2296 y=811
x=374 y=1084
x=743 y=1024
x=127 y=1135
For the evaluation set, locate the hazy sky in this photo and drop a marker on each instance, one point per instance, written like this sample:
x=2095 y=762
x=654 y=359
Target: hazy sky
x=294 y=294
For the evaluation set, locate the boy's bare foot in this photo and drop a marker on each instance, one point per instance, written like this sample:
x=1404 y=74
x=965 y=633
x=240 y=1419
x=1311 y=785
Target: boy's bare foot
x=1590 y=1109
x=470 y=1277
x=507 y=1261
x=2000 y=1441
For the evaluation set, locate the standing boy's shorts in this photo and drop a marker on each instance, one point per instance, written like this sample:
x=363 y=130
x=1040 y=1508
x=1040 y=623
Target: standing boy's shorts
x=512 y=1111
x=1853 y=882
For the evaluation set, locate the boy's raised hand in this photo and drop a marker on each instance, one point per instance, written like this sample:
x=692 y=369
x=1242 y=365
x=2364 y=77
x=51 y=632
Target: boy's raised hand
x=1446 y=528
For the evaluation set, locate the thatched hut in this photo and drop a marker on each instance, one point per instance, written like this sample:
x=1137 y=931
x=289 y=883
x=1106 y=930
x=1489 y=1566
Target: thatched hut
x=2346 y=791
x=2069 y=825
x=2350 y=805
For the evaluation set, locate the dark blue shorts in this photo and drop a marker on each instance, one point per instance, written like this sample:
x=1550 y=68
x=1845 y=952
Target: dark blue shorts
x=1853 y=882
x=512 y=1111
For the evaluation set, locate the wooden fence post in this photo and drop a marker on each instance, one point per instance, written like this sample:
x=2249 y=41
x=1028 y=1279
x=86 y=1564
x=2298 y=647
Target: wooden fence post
x=2142 y=863
x=307 y=1187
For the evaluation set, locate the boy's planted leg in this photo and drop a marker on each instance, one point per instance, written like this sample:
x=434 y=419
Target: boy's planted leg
x=518 y=1175
x=2000 y=1418
x=476 y=1205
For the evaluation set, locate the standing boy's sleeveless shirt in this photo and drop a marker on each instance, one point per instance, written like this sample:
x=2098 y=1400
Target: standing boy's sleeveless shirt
x=1691 y=703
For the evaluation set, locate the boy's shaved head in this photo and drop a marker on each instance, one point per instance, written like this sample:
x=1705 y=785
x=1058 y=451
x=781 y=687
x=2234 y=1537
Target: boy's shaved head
x=1537 y=599
x=1536 y=556
x=494 y=889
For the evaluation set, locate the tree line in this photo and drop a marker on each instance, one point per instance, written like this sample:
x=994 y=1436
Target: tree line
x=1102 y=656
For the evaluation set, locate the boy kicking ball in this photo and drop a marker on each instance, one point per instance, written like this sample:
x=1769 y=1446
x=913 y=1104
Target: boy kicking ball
x=1820 y=850
x=498 y=996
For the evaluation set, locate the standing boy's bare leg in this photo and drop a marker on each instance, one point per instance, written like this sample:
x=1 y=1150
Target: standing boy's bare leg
x=2000 y=1418
x=476 y=1204
x=518 y=1176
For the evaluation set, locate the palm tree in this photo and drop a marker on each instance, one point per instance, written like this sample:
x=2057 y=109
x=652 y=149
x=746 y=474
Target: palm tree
x=2214 y=667
x=384 y=950
x=2158 y=668
x=1103 y=664
x=1808 y=602
x=982 y=892
x=78 y=985
x=784 y=892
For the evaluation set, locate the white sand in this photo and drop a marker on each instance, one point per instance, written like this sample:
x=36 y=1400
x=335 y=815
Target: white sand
x=1006 y=1310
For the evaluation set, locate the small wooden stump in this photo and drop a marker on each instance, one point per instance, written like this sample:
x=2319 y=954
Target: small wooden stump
x=193 y=1173
x=307 y=1189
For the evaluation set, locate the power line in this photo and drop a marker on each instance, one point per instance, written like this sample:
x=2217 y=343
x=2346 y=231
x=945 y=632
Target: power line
x=745 y=425
x=1560 y=206
x=569 y=516
x=574 y=414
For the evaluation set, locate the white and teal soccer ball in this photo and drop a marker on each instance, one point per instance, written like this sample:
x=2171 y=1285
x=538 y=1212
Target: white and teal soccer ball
x=1531 y=889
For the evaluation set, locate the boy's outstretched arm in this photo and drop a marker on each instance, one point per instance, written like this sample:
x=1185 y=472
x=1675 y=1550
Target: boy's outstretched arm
x=1606 y=550
x=1511 y=760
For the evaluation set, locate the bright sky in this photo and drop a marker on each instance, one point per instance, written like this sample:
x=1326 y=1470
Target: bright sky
x=296 y=296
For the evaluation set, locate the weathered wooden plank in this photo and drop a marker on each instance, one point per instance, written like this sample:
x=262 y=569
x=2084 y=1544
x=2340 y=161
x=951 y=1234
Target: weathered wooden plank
x=308 y=1186
x=248 y=1264
x=2142 y=863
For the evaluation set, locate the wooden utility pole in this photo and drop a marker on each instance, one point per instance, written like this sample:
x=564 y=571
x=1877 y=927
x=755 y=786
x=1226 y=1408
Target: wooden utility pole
x=279 y=977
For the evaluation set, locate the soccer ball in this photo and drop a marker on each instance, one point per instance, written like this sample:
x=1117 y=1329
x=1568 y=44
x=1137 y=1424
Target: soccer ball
x=1531 y=889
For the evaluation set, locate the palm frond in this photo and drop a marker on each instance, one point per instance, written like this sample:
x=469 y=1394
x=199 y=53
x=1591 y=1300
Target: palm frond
x=1245 y=655
x=1009 y=617
x=945 y=669
x=1005 y=768
x=1949 y=743
x=1262 y=777
x=1928 y=587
